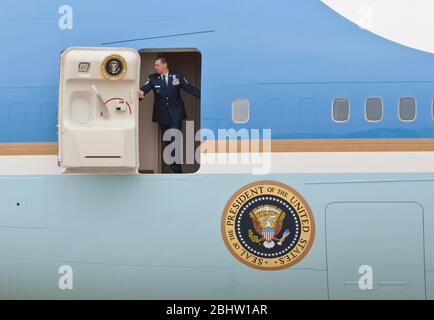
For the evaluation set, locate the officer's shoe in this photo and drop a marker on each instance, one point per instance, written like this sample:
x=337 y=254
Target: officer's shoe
x=176 y=168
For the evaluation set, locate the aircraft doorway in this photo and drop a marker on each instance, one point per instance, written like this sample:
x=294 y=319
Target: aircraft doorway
x=188 y=63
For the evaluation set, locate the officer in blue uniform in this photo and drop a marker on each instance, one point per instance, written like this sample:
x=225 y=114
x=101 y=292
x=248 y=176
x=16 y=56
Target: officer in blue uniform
x=169 y=108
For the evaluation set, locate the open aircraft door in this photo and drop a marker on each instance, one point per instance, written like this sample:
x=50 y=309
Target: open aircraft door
x=98 y=110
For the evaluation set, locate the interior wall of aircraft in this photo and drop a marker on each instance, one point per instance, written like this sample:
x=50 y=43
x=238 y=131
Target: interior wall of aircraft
x=188 y=63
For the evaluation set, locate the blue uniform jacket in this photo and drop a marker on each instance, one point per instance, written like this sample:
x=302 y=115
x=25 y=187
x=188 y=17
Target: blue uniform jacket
x=168 y=104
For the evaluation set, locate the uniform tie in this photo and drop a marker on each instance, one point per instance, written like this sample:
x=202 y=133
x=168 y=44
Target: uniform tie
x=164 y=78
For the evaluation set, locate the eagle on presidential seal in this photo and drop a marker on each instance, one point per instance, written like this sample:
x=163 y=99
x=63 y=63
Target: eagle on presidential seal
x=267 y=221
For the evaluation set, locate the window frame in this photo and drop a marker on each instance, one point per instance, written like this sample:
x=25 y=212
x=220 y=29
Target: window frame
x=232 y=111
x=332 y=109
x=432 y=108
x=366 y=108
x=415 y=108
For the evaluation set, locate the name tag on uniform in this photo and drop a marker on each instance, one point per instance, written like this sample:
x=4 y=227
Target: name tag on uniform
x=157 y=86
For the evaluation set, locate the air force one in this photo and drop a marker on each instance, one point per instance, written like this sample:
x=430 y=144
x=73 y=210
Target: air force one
x=335 y=203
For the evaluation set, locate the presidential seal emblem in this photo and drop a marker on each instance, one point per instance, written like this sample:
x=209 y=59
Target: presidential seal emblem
x=268 y=225
x=114 y=67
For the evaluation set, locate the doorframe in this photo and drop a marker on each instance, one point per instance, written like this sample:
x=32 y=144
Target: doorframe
x=158 y=146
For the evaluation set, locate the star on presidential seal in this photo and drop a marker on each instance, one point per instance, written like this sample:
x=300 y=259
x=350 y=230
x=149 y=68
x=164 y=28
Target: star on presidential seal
x=268 y=225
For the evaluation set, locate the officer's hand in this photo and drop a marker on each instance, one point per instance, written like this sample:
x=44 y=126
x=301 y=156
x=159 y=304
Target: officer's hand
x=141 y=94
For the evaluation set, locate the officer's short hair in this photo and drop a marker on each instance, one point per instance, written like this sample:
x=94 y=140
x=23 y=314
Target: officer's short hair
x=162 y=58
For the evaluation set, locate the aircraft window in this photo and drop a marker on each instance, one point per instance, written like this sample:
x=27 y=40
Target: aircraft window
x=240 y=110
x=407 y=108
x=341 y=109
x=374 y=109
x=432 y=108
